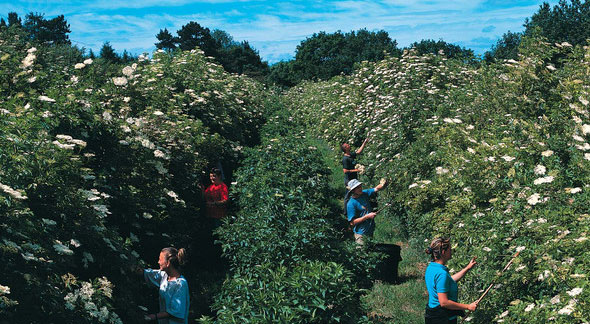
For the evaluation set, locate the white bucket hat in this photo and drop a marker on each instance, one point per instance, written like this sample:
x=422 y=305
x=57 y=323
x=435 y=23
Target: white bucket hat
x=353 y=184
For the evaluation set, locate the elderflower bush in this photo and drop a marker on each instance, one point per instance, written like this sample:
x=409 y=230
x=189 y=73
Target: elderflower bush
x=287 y=260
x=496 y=156
x=98 y=158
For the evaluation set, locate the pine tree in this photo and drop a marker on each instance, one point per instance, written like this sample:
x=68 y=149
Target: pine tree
x=166 y=42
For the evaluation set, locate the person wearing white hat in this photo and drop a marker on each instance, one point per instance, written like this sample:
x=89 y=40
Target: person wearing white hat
x=358 y=209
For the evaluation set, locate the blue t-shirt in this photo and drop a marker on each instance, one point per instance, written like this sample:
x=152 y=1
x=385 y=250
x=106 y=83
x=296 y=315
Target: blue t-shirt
x=359 y=207
x=438 y=280
x=174 y=297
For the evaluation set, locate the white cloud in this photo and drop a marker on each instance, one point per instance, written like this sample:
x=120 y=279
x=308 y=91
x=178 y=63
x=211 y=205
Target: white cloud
x=276 y=28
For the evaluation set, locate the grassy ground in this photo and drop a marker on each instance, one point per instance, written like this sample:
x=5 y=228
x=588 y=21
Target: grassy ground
x=403 y=302
x=388 y=303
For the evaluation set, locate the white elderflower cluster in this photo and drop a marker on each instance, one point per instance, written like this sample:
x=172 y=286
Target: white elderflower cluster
x=120 y=81
x=547 y=179
x=13 y=193
x=4 y=290
x=540 y=170
x=70 y=142
x=86 y=298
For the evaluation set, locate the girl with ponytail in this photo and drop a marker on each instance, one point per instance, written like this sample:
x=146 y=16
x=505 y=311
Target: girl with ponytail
x=442 y=307
x=174 y=296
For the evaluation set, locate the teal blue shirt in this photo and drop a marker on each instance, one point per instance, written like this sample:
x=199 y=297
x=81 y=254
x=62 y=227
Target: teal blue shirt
x=359 y=207
x=174 y=296
x=438 y=280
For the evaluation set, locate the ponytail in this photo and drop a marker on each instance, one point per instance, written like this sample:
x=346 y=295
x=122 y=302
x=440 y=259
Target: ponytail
x=177 y=257
x=437 y=246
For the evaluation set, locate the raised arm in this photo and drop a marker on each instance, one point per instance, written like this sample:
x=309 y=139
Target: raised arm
x=360 y=149
x=457 y=276
x=381 y=185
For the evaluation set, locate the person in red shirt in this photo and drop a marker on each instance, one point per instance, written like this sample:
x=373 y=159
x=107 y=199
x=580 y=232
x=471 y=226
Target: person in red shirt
x=216 y=196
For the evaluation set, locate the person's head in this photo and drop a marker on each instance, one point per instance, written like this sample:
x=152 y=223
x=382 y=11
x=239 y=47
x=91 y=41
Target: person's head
x=215 y=175
x=440 y=249
x=345 y=147
x=355 y=186
x=171 y=257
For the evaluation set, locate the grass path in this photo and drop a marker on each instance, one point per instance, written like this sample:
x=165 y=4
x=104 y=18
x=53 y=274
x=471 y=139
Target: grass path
x=388 y=303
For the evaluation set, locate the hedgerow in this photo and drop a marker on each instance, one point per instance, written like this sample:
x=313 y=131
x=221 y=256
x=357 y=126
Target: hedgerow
x=495 y=156
x=100 y=165
x=288 y=261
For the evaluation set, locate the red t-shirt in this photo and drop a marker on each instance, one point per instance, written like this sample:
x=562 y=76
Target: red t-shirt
x=216 y=193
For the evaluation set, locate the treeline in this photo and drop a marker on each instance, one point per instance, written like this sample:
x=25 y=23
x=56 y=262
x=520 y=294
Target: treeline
x=54 y=32
x=324 y=55
x=568 y=21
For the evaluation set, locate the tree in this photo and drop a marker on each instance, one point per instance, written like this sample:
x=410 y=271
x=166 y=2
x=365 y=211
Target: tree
x=284 y=74
x=166 y=42
x=107 y=52
x=126 y=57
x=568 y=21
x=364 y=45
x=13 y=19
x=506 y=48
x=192 y=35
x=243 y=59
x=52 y=31
x=3 y=22
x=430 y=46
x=223 y=39
x=324 y=55
x=321 y=56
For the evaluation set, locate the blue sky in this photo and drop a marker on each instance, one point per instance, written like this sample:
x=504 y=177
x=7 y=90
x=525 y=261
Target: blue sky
x=275 y=28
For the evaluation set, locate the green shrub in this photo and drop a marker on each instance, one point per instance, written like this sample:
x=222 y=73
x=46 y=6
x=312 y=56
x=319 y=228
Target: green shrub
x=495 y=156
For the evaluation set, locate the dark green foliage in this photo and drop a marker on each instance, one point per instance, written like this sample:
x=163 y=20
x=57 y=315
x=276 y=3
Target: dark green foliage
x=283 y=74
x=243 y=59
x=288 y=260
x=192 y=35
x=223 y=39
x=307 y=292
x=240 y=58
x=52 y=31
x=235 y=57
x=325 y=55
x=430 y=46
x=568 y=21
x=165 y=40
x=107 y=52
x=14 y=19
x=108 y=157
x=506 y=48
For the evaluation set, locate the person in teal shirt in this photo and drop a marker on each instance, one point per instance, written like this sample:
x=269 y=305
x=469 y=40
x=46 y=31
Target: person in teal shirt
x=359 y=211
x=173 y=287
x=443 y=293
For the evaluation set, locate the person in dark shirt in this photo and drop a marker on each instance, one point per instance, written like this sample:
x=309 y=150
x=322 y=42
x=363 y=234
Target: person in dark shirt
x=348 y=161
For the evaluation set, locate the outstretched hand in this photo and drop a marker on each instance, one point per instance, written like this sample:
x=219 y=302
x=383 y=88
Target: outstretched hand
x=472 y=263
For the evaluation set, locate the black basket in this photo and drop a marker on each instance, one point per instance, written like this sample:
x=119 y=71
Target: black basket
x=387 y=269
